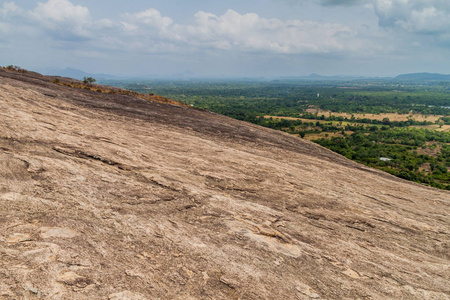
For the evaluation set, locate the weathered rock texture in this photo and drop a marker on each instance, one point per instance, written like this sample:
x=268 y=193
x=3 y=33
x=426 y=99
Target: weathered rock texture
x=114 y=197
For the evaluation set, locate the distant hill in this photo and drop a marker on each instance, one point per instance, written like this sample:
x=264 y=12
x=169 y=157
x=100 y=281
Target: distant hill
x=80 y=74
x=409 y=77
x=423 y=77
x=74 y=73
x=314 y=76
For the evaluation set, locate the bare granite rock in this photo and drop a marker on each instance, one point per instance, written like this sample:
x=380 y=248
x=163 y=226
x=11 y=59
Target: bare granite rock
x=108 y=196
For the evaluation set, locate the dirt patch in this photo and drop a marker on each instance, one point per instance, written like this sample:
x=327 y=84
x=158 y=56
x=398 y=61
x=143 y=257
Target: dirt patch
x=430 y=148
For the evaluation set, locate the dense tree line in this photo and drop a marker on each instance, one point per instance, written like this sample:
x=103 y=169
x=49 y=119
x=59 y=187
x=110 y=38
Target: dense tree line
x=288 y=98
x=403 y=150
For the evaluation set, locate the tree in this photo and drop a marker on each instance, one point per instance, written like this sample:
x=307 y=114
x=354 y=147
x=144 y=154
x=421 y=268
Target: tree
x=88 y=80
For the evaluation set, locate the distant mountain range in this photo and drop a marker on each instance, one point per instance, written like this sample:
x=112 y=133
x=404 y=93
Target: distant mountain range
x=315 y=76
x=79 y=74
x=74 y=73
x=423 y=77
x=402 y=77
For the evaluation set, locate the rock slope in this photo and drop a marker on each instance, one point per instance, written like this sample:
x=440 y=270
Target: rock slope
x=106 y=196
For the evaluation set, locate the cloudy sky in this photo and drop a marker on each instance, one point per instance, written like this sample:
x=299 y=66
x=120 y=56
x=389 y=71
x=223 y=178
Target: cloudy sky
x=229 y=37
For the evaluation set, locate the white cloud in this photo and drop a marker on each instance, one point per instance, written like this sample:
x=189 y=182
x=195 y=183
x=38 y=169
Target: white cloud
x=62 y=19
x=150 y=17
x=340 y=2
x=416 y=16
x=8 y=9
x=242 y=32
x=151 y=32
x=8 y=12
x=61 y=12
x=59 y=24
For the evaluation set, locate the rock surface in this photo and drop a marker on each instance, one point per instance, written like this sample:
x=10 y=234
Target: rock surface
x=107 y=196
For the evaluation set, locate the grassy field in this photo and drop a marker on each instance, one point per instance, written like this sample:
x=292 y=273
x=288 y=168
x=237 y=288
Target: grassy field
x=380 y=117
x=307 y=120
x=445 y=128
x=328 y=135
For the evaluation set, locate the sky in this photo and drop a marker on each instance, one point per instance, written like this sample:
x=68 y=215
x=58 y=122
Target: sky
x=210 y=38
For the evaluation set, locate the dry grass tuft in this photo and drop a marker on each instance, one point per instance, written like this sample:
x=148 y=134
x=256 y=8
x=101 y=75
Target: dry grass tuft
x=116 y=91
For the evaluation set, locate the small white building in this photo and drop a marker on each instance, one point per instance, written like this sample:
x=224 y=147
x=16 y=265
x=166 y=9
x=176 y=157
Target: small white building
x=385 y=159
